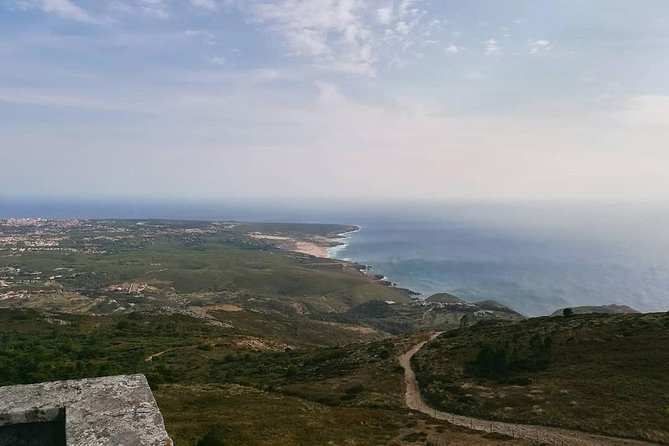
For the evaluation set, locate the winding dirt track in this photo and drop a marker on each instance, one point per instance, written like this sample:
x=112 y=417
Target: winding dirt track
x=538 y=434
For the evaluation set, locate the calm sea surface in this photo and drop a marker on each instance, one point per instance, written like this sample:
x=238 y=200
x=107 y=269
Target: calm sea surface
x=534 y=259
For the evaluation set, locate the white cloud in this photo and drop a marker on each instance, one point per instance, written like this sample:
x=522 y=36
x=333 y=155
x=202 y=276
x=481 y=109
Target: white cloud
x=402 y=28
x=406 y=7
x=384 y=15
x=453 y=49
x=209 y=5
x=65 y=9
x=491 y=47
x=330 y=31
x=157 y=9
x=538 y=46
x=350 y=36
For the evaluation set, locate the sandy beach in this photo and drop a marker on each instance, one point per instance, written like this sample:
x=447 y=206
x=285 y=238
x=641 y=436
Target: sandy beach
x=316 y=247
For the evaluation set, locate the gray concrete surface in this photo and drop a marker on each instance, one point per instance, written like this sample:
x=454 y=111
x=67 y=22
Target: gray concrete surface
x=111 y=411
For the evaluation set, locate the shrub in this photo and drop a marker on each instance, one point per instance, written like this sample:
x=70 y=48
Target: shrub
x=123 y=324
x=493 y=359
x=355 y=389
x=155 y=379
x=502 y=358
x=210 y=439
x=383 y=353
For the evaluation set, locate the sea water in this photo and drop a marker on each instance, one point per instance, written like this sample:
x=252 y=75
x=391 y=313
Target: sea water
x=535 y=259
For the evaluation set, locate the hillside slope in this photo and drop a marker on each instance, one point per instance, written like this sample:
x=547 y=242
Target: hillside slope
x=597 y=373
x=254 y=380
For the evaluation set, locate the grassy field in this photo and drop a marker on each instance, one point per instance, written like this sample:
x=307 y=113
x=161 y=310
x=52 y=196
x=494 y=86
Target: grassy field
x=598 y=373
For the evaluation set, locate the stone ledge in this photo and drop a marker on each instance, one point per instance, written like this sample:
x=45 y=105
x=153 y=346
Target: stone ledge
x=110 y=411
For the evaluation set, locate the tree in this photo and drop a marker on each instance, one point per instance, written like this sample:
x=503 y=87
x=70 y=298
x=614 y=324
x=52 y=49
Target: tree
x=493 y=359
x=567 y=312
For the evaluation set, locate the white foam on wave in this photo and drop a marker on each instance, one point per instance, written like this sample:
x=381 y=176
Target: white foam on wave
x=333 y=251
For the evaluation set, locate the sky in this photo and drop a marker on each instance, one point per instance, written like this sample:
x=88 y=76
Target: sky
x=335 y=99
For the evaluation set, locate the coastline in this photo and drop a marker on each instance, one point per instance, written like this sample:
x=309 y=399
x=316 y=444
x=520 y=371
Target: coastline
x=328 y=247
x=324 y=247
x=342 y=239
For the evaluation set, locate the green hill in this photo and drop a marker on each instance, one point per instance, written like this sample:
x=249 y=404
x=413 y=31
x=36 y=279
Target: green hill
x=602 y=309
x=594 y=372
x=258 y=379
x=444 y=298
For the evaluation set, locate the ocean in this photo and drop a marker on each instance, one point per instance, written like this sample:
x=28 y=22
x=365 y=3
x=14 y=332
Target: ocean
x=533 y=257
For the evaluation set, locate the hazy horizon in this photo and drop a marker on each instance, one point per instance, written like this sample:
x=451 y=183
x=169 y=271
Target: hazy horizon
x=636 y=226
x=295 y=99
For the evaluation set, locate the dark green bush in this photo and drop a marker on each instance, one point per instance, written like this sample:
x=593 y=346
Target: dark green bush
x=210 y=439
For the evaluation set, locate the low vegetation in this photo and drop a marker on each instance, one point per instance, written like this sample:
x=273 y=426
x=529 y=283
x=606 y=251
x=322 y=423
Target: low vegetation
x=247 y=344
x=233 y=386
x=36 y=346
x=597 y=373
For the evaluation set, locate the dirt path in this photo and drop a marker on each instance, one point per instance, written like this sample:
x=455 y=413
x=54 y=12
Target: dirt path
x=155 y=355
x=539 y=434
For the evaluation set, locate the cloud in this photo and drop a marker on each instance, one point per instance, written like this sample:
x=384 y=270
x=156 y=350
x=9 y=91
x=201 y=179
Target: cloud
x=157 y=9
x=538 y=46
x=453 y=49
x=384 y=15
x=491 y=47
x=209 y=5
x=350 y=36
x=331 y=32
x=402 y=28
x=294 y=150
x=65 y=9
x=406 y=7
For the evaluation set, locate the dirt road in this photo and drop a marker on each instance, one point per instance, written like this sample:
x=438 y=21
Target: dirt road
x=538 y=434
